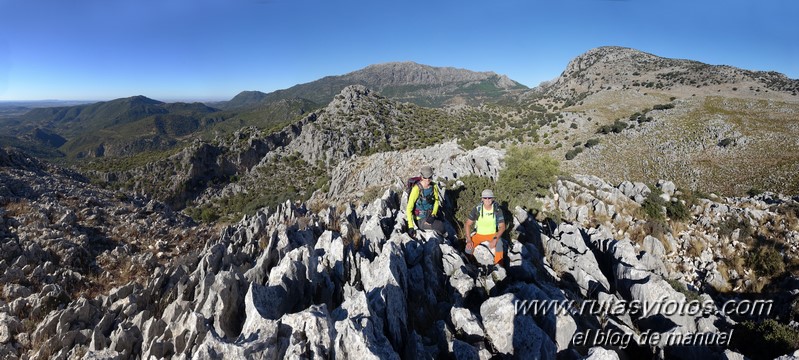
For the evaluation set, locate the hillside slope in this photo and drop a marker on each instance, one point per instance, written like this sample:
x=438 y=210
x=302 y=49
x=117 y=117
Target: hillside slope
x=707 y=127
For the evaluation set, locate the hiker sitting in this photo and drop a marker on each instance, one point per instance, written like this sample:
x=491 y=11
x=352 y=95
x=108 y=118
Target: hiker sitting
x=423 y=205
x=489 y=225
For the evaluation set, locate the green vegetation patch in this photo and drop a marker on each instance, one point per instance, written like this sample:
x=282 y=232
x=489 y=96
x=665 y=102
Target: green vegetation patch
x=767 y=339
x=527 y=175
x=278 y=180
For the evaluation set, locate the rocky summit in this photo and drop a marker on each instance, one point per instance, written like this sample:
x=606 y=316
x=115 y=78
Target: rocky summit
x=347 y=282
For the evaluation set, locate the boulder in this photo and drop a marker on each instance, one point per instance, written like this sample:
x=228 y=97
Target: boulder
x=511 y=334
x=466 y=323
x=599 y=353
x=667 y=187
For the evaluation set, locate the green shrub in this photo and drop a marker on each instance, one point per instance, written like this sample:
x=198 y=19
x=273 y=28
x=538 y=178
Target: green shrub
x=618 y=126
x=571 y=154
x=653 y=205
x=766 y=261
x=726 y=142
x=690 y=295
x=730 y=224
x=591 y=142
x=656 y=228
x=767 y=339
x=526 y=176
x=677 y=211
x=208 y=215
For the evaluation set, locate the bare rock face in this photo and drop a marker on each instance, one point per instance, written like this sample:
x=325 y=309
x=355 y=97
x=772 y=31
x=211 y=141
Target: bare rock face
x=449 y=162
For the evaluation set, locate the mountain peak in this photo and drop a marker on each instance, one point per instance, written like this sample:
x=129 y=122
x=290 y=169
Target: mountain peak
x=379 y=76
x=405 y=81
x=616 y=67
x=139 y=100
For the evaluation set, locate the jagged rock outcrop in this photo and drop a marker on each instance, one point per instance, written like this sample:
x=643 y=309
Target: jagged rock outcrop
x=348 y=283
x=63 y=241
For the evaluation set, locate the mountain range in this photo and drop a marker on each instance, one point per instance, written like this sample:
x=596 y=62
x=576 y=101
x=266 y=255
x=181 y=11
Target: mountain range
x=679 y=110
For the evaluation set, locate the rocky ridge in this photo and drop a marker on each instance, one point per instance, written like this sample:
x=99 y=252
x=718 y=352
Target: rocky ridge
x=346 y=282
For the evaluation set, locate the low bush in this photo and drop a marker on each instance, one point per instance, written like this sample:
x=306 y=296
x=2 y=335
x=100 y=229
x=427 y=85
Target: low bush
x=571 y=154
x=752 y=192
x=591 y=142
x=617 y=127
x=767 y=339
x=730 y=224
x=527 y=175
x=208 y=215
x=653 y=205
x=766 y=261
x=676 y=210
x=690 y=295
x=726 y=142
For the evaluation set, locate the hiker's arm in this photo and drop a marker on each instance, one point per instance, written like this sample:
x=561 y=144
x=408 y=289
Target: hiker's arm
x=435 y=204
x=411 y=203
x=500 y=221
x=467 y=229
x=500 y=230
x=498 y=235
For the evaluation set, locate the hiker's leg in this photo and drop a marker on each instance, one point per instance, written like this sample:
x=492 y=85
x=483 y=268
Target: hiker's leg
x=478 y=239
x=499 y=251
x=424 y=225
x=438 y=227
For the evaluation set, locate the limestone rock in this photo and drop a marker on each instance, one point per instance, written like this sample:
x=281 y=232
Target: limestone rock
x=466 y=322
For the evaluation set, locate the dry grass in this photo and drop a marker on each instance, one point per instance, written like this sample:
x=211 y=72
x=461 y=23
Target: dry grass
x=114 y=273
x=17 y=208
x=612 y=105
x=695 y=247
x=597 y=220
x=682 y=145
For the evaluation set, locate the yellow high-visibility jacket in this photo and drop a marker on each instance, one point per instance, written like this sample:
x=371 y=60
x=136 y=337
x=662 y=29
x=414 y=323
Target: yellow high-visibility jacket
x=412 y=214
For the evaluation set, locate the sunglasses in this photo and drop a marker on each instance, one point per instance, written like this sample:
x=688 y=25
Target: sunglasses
x=487 y=198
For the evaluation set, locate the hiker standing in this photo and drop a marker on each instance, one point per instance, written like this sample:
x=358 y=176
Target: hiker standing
x=423 y=205
x=489 y=226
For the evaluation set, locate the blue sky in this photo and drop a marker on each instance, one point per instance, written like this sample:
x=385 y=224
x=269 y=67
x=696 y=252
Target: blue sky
x=213 y=49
